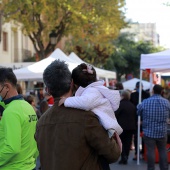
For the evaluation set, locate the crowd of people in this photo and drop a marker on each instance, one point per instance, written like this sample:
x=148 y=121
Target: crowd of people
x=78 y=122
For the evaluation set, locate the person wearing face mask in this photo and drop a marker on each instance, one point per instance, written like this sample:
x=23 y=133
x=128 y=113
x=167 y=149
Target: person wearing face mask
x=18 y=148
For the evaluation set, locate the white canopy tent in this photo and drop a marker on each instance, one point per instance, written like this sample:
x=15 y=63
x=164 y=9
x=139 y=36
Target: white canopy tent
x=155 y=62
x=131 y=84
x=35 y=71
x=74 y=57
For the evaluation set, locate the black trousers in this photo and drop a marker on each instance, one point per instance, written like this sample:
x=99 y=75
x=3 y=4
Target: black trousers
x=126 y=138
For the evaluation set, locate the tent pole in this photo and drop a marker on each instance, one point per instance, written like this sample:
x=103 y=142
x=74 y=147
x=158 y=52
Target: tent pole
x=107 y=82
x=140 y=96
x=151 y=81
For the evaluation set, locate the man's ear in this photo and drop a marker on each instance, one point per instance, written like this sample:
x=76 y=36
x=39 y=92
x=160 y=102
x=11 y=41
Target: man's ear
x=8 y=86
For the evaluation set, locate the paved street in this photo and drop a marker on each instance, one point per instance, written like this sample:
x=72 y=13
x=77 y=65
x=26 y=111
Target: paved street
x=132 y=165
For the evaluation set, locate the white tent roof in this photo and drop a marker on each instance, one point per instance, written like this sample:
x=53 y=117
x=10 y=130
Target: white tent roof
x=157 y=62
x=131 y=84
x=35 y=71
x=105 y=73
x=74 y=57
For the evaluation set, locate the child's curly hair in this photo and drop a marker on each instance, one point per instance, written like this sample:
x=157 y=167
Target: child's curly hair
x=83 y=75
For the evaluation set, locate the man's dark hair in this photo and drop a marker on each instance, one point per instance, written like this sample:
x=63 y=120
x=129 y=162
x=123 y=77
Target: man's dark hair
x=7 y=75
x=157 y=89
x=81 y=77
x=57 y=78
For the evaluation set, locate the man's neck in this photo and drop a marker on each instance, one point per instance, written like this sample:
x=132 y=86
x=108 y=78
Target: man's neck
x=11 y=94
x=68 y=94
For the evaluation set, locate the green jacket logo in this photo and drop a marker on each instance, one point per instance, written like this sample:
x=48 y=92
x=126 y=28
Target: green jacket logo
x=32 y=118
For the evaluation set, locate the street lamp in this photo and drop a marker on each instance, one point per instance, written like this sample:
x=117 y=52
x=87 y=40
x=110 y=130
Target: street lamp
x=53 y=38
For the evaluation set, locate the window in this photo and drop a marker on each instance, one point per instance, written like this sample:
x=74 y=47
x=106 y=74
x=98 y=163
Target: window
x=5 y=41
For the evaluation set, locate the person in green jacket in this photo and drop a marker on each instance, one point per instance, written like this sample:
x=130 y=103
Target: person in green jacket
x=18 y=149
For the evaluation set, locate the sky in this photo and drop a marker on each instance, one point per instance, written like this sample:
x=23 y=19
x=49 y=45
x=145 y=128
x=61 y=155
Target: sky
x=151 y=11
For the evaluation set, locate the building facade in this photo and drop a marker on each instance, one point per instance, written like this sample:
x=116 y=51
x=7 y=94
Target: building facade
x=143 y=32
x=15 y=47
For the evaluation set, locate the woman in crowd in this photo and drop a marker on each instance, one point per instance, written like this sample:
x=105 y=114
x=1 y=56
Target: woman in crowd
x=126 y=118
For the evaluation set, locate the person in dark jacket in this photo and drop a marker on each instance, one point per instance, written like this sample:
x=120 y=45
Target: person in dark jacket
x=126 y=118
x=69 y=138
x=134 y=98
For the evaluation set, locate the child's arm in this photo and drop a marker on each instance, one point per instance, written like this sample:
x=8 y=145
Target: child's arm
x=115 y=99
x=87 y=101
x=113 y=96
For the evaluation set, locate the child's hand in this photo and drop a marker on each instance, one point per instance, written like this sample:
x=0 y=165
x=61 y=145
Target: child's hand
x=61 y=101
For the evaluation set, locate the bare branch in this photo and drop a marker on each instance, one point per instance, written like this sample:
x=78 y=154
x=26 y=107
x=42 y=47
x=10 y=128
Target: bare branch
x=34 y=42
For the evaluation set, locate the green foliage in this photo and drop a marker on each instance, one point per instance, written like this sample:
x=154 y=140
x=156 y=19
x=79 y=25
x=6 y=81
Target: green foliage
x=90 y=20
x=94 y=54
x=126 y=56
x=167 y=3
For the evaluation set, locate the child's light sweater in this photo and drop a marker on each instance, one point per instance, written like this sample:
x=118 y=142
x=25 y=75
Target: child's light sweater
x=100 y=100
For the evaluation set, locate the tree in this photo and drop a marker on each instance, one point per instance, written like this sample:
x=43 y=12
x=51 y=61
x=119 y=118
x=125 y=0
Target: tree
x=166 y=3
x=94 y=54
x=126 y=56
x=90 y=20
